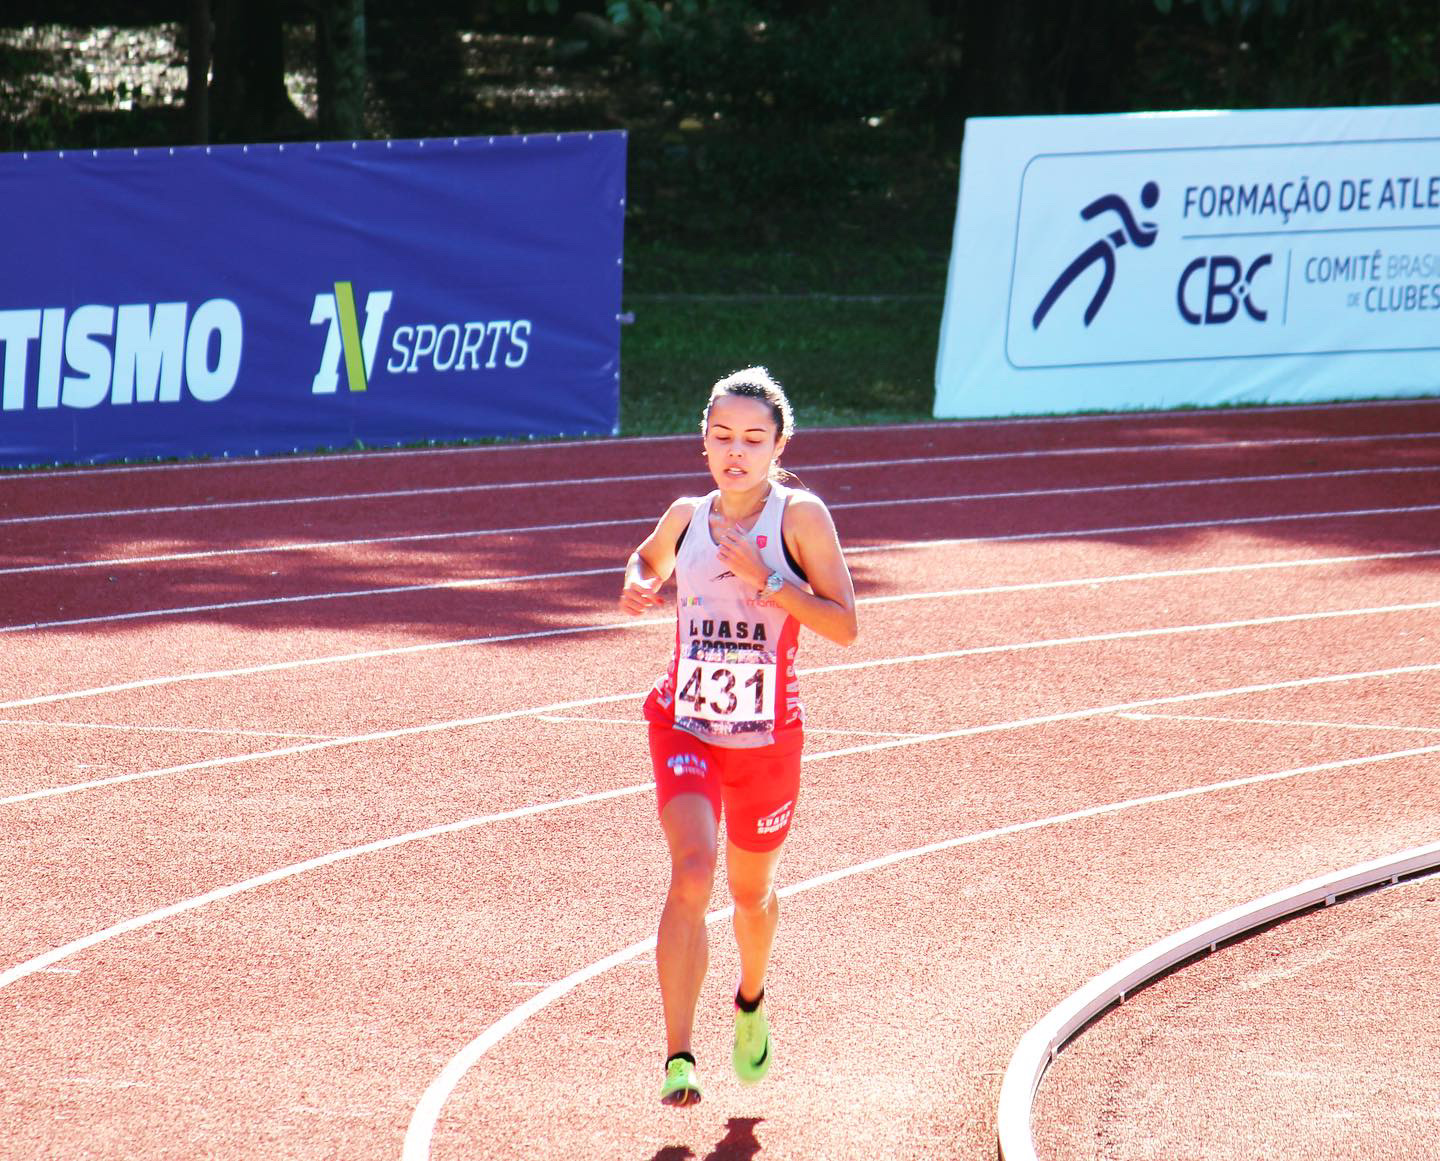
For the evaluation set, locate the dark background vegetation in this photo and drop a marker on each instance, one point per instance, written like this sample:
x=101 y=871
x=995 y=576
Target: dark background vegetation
x=793 y=163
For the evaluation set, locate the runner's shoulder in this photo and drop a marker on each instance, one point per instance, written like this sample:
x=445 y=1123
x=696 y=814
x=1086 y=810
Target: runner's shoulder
x=678 y=516
x=806 y=512
x=684 y=507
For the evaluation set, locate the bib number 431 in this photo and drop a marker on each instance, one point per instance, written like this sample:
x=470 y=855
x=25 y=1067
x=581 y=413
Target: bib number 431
x=727 y=691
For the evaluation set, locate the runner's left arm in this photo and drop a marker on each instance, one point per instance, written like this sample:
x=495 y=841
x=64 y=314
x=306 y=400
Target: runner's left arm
x=829 y=609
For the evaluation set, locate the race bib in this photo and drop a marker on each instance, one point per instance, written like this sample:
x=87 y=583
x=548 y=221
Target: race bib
x=726 y=692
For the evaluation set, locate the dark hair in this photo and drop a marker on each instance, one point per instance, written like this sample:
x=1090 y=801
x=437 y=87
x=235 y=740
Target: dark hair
x=757 y=383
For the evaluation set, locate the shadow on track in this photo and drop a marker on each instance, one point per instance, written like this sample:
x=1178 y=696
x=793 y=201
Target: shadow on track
x=738 y=1144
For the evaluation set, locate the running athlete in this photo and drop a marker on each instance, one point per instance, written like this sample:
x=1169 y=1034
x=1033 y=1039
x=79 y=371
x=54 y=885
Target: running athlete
x=753 y=561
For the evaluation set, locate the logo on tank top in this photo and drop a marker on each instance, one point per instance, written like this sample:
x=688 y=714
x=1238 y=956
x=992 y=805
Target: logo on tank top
x=762 y=540
x=723 y=575
x=727 y=632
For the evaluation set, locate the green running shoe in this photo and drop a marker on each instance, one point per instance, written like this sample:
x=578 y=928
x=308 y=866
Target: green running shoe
x=752 y=1055
x=682 y=1086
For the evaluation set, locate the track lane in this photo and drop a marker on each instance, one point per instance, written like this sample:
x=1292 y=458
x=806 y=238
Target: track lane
x=52 y=532
x=253 y=995
x=250 y=637
x=294 y=1126
x=1312 y=1062
x=843 y=1082
x=39 y=492
x=72 y=598
x=151 y=825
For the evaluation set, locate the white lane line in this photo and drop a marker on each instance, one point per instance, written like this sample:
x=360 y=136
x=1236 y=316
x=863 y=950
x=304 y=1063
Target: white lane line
x=561 y=719
x=896 y=546
x=56 y=955
x=1125 y=529
x=1123 y=635
x=314 y=545
x=129 y=729
x=466 y=642
x=1281 y=722
x=592 y=481
x=1163 y=574
x=602 y=443
x=423 y=1120
x=332 y=659
x=1039 y=1046
x=810 y=731
x=608 y=442
x=946 y=655
x=1124 y=707
x=530 y=529
x=311 y=747
x=265 y=602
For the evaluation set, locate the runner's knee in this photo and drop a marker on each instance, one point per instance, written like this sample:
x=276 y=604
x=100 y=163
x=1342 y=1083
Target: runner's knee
x=752 y=896
x=692 y=874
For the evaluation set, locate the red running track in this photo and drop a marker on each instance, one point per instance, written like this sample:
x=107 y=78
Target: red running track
x=328 y=832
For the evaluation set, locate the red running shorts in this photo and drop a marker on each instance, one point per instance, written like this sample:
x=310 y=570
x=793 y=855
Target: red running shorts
x=757 y=787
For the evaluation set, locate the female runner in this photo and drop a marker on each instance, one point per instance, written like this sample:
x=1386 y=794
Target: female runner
x=754 y=560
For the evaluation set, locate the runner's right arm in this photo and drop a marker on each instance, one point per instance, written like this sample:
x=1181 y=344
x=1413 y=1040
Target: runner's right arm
x=651 y=564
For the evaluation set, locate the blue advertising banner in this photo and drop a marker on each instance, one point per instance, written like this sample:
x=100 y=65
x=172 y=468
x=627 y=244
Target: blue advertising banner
x=1158 y=260
x=261 y=298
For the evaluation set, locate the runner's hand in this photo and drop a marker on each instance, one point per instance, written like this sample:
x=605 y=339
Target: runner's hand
x=641 y=595
x=739 y=554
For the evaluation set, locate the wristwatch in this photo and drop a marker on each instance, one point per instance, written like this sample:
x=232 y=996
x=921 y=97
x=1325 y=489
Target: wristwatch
x=774 y=582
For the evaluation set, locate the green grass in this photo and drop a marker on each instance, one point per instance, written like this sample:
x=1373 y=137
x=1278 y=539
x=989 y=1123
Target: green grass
x=841 y=362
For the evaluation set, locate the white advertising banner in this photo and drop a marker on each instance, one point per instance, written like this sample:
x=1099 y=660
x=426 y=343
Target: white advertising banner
x=1161 y=260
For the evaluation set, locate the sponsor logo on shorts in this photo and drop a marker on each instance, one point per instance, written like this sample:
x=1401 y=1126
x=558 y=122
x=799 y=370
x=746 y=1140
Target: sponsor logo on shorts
x=776 y=821
x=692 y=765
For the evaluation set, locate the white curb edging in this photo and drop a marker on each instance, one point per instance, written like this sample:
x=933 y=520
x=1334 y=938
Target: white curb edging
x=1039 y=1046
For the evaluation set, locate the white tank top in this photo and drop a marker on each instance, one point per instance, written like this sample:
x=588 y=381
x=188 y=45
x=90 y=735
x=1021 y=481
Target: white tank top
x=731 y=680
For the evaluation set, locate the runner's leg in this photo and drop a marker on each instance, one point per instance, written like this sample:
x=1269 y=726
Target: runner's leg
x=682 y=950
x=751 y=876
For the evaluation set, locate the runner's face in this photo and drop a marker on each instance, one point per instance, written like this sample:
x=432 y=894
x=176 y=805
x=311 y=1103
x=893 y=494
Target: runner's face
x=740 y=442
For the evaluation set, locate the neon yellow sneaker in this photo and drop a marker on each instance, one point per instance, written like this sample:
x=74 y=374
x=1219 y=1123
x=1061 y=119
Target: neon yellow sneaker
x=682 y=1086
x=752 y=1055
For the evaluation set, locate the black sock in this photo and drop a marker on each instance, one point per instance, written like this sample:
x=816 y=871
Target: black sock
x=749 y=1005
x=679 y=1056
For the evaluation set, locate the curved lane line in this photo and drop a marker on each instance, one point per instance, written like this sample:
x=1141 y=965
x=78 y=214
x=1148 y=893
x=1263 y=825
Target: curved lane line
x=873 y=663
x=74 y=947
x=332 y=659
x=310 y=747
x=421 y=1129
x=1040 y=1045
x=48 y=959
x=465 y=534
x=590 y=481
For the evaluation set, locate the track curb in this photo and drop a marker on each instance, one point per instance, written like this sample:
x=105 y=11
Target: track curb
x=1043 y=1042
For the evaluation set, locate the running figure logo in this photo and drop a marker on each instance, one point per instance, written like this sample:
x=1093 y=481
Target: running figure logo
x=1142 y=235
